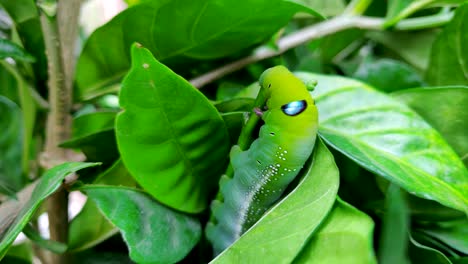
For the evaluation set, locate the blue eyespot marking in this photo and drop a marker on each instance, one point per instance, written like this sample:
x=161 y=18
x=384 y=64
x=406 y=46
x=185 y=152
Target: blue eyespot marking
x=294 y=108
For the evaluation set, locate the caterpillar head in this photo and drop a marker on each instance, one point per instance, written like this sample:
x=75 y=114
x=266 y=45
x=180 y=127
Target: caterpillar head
x=285 y=91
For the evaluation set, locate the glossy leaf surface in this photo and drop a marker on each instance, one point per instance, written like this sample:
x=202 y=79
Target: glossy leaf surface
x=205 y=29
x=171 y=139
x=388 y=138
x=450 y=119
x=281 y=233
x=153 y=232
x=90 y=227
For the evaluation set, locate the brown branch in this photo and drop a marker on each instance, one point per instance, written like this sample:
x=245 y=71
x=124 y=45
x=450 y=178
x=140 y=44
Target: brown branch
x=293 y=40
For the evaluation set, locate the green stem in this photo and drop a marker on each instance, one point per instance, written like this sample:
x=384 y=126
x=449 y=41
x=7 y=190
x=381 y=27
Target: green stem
x=357 y=7
x=425 y=22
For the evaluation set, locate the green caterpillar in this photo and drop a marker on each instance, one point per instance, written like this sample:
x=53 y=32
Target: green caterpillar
x=262 y=172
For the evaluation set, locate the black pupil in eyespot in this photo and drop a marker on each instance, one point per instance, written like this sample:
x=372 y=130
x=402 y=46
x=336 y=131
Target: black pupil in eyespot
x=294 y=108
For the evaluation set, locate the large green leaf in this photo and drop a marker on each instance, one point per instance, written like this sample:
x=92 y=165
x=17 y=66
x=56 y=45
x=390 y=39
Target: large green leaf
x=15 y=214
x=10 y=146
x=344 y=237
x=450 y=118
x=280 y=234
x=90 y=227
x=10 y=49
x=153 y=232
x=388 y=138
x=171 y=139
x=449 y=59
x=205 y=29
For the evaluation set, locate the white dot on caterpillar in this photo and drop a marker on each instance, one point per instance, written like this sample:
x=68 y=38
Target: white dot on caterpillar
x=145 y=65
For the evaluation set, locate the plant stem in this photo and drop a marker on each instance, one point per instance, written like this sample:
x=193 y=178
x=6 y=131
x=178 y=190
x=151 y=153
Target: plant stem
x=316 y=31
x=293 y=40
x=60 y=70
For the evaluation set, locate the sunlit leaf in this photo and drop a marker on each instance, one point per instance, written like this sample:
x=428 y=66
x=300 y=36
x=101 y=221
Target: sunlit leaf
x=388 y=138
x=171 y=139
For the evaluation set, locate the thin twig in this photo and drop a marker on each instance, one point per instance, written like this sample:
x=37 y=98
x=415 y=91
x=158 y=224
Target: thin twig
x=293 y=40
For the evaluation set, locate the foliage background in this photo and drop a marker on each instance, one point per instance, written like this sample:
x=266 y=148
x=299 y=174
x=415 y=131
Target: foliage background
x=387 y=182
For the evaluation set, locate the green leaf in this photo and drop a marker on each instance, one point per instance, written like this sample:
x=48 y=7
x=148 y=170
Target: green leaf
x=50 y=245
x=9 y=49
x=94 y=134
x=8 y=86
x=428 y=210
x=326 y=8
x=171 y=139
x=331 y=46
x=153 y=232
x=449 y=116
x=90 y=227
x=205 y=29
x=234 y=122
x=235 y=105
x=281 y=233
x=413 y=47
x=15 y=214
x=344 y=237
x=102 y=257
x=11 y=125
x=228 y=90
x=388 y=75
x=420 y=253
x=449 y=59
x=19 y=253
x=388 y=138
x=394 y=235
x=26 y=19
x=28 y=107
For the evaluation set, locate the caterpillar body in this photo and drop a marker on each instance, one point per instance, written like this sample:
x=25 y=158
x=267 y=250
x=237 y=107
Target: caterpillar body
x=262 y=172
